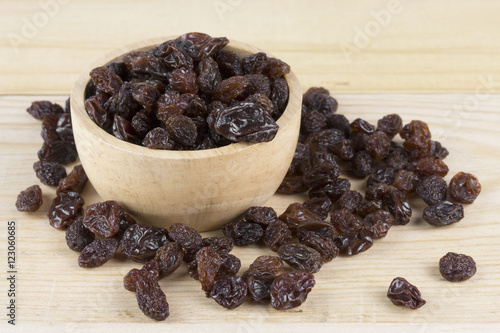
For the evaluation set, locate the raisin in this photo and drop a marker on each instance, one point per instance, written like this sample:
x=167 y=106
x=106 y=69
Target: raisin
x=295 y=214
x=208 y=262
x=158 y=138
x=103 y=218
x=432 y=189
x=97 y=113
x=415 y=127
x=106 y=80
x=65 y=209
x=223 y=245
x=262 y=100
x=398 y=205
x=98 y=252
x=378 y=223
x=319 y=99
x=209 y=76
x=140 y=242
x=402 y=292
x=326 y=140
x=259 y=288
x=361 y=164
x=443 y=213
x=377 y=145
x=292 y=185
x=290 y=290
x=323 y=169
x=229 y=292
x=123 y=103
x=368 y=207
x=383 y=175
x=312 y=121
x=202 y=45
x=319 y=206
x=333 y=190
x=438 y=151
x=350 y=201
x=62 y=152
x=123 y=130
x=64 y=128
x=140 y=62
x=49 y=173
x=150 y=298
x=397 y=159
x=276 y=235
x=74 y=182
x=243 y=232
x=343 y=149
x=322 y=228
x=353 y=242
x=406 y=181
x=275 y=68
x=301 y=257
x=279 y=96
x=119 y=69
x=142 y=123
x=147 y=92
x=229 y=89
x=456 y=267
x=126 y=222
x=170 y=104
x=40 y=109
x=464 y=188
x=230 y=266
x=261 y=215
x=259 y=84
x=264 y=266
x=343 y=220
x=229 y=63
x=185 y=236
x=182 y=129
x=183 y=80
x=78 y=237
x=325 y=246
x=150 y=270
x=339 y=122
x=169 y=258
x=49 y=127
x=254 y=63
x=30 y=199
x=390 y=125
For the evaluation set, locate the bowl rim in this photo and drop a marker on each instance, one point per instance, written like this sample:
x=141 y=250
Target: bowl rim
x=78 y=108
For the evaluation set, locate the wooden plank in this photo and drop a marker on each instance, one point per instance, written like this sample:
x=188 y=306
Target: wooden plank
x=53 y=290
x=419 y=46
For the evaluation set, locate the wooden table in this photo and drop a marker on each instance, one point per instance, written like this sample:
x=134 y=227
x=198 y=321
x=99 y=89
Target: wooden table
x=435 y=61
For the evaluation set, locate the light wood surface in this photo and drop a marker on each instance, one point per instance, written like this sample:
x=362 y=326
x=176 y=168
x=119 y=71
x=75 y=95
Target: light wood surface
x=54 y=290
x=429 y=47
x=165 y=187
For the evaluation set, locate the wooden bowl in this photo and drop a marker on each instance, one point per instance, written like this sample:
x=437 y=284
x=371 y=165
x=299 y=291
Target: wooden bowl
x=203 y=189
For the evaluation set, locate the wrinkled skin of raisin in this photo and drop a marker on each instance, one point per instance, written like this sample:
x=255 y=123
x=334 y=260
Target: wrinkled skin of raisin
x=185 y=236
x=432 y=189
x=106 y=80
x=438 y=151
x=290 y=290
x=98 y=252
x=74 y=182
x=150 y=270
x=49 y=127
x=390 y=125
x=223 y=245
x=406 y=181
x=259 y=288
x=49 y=173
x=292 y=184
x=262 y=100
x=62 y=152
x=350 y=201
x=418 y=146
x=261 y=215
x=312 y=121
x=208 y=262
x=319 y=206
x=243 y=232
x=397 y=204
x=295 y=214
x=378 y=223
x=209 y=76
x=64 y=128
x=229 y=292
x=78 y=237
x=123 y=130
x=333 y=190
x=325 y=246
x=415 y=127
x=158 y=138
x=169 y=258
x=40 y=109
x=464 y=188
x=361 y=164
x=202 y=45
x=383 y=175
x=322 y=228
x=142 y=123
x=276 y=235
x=397 y=159
x=97 y=113
x=30 y=199
x=343 y=220
x=183 y=80
x=182 y=129
x=301 y=257
x=401 y=292
x=368 y=207
x=430 y=166
x=443 y=213
x=229 y=89
x=378 y=145
x=264 y=266
x=456 y=267
x=65 y=209
x=140 y=242
x=279 y=96
x=229 y=63
x=151 y=299
x=352 y=242
x=230 y=266
x=103 y=218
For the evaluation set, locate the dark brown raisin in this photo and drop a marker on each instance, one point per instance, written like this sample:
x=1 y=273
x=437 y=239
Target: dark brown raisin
x=98 y=252
x=97 y=113
x=259 y=84
x=262 y=100
x=259 y=288
x=185 y=236
x=378 y=145
x=301 y=257
x=261 y=215
x=292 y=184
x=65 y=209
x=169 y=258
x=202 y=45
x=322 y=228
x=312 y=121
x=325 y=246
x=264 y=266
x=49 y=127
x=78 y=237
x=64 y=128
x=74 y=182
x=172 y=55
x=182 y=129
x=295 y=214
x=62 y=152
x=140 y=62
x=158 y=138
x=140 y=242
x=398 y=205
x=254 y=63
x=319 y=206
x=438 y=151
x=123 y=130
x=415 y=127
x=243 y=232
x=150 y=270
x=340 y=122
x=30 y=199
x=208 y=262
x=432 y=189
x=343 y=220
x=103 y=218
x=443 y=213
x=378 y=223
x=229 y=63
x=183 y=80
x=456 y=267
x=398 y=159
x=276 y=68
x=368 y=207
x=223 y=245
x=209 y=75
x=319 y=99
x=383 y=175
x=406 y=181
x=464 y=188
x=279 y=96
x=229 y=292
x=49 y=173
x=333 y=190
x=276 y=235
x=361 y=164
x=352 y=242
x=40 y=109
x=402 y=292
x=390 y=125
x=230 y=266
x=350 y=200
x=150 y=298
x=106 y=80
x=142 y=123
x=290 y=290
x=229 y=89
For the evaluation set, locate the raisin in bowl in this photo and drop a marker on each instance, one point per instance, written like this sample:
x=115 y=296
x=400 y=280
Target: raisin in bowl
x=201 y=188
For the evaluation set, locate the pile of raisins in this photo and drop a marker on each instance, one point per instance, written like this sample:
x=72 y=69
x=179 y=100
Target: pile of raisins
x=302 y=236
x=189 y=93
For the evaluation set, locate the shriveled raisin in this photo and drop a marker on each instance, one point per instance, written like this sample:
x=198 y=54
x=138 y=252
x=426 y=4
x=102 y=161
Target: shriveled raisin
x=103 y=218
x=140 y=242
x=353 y=242
x=443 y=213
x=49 y=173
x=456 y=267
x=229 y=292
x=322 y=228
x=151 y=299
x=183 y=80
x=66 y=209
x=277 y=234
x=261 y=215
x=98 y=252
x=295 y=214
x=406 y=181
x=290 y=290
x=344 y=220
x=243 y=232
x=158 y=138
x=264 y=266
x=40 y=109
x=223 y=245
x=30 y=199
x=208 y=262
x=301 y=257
x=350 y=200
x=259 y=288
x=319 y=206
x=78 y=237
x=230 y=266
x=62 y=152
x=382 y=175
x=106 y=80
x=430 y=166
x=185 y=236
x=169 y=258
x=390 y=125
x=230 y=88
x=402 y=292
x=378 y=223
x=378 y=145
x=74 y=182
x=432 y=189
x=333 y=190
x=325 y=246
x=361 y=164
x=464 y=188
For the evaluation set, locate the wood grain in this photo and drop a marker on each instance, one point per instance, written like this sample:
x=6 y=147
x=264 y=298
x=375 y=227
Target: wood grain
x=425 y=46
x=55 y=292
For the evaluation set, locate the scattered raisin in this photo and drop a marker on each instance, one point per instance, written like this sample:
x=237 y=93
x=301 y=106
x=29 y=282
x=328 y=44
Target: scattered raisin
x=290 y=290
x=65 y=209
x=229 y=292
x=78 y=237
x=30 y=199
x=443 y=213
x=301 y=257
x=140 y=242
x=456 y=267
x=49 y=173
x=402 y=292
x=98 y=252
x=74 y=182
x=464 y=188
x=432 y=189
x=243 y=232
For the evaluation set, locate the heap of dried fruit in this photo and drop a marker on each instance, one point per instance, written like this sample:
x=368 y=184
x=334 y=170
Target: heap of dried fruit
x=189 y=93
